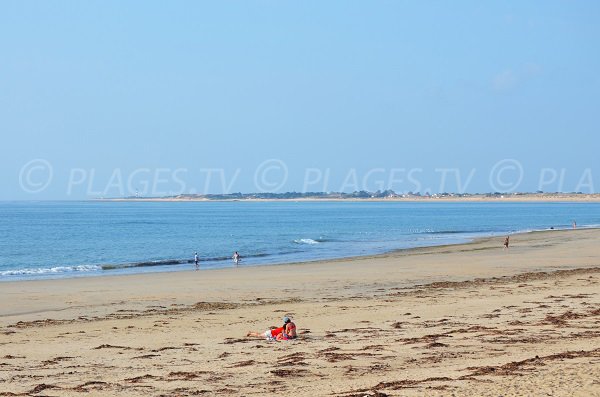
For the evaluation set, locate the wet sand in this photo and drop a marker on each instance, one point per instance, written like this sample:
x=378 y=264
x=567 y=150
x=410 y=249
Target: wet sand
x=465 y=320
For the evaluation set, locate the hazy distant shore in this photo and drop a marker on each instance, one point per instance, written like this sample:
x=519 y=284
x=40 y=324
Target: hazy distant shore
x=519 y=198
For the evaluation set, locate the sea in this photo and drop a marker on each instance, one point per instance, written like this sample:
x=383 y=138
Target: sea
x=40 y=240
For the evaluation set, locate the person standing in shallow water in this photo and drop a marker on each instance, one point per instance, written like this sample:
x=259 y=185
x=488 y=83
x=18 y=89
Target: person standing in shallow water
x=196 y=260
x=506 y=242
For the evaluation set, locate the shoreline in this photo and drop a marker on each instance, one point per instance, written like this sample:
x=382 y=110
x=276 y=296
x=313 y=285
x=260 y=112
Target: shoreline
x=165 y=269
x=489 y=243
x=335 y=266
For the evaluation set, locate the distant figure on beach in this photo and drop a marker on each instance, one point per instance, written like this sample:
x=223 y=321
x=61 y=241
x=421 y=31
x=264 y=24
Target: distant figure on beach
x=196 y=260
x=236 y=258
x=506 y=241
x=285 y=332
x=574 y=225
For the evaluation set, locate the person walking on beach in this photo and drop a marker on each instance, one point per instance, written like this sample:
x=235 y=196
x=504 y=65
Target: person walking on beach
x=236 y=258
x=506 y=241
x=285 y=332
x=196 y=260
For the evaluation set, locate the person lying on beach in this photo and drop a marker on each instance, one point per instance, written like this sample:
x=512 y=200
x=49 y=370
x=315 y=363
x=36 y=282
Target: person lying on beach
x=286 y=332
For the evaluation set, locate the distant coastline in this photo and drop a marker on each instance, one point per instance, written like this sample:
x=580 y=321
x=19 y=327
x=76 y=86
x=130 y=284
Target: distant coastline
x=387 y=196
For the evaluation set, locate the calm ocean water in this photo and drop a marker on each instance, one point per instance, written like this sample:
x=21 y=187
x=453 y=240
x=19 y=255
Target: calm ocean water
x=72 y=239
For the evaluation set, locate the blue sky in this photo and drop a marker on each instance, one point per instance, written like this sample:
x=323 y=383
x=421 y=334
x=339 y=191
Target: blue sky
x=151 y=96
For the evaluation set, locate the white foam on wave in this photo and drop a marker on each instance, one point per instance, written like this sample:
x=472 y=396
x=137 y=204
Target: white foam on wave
x=50 y=270
x=309 y=241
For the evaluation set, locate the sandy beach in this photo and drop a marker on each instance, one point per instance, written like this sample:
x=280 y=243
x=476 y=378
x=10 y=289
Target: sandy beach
x=463 y=320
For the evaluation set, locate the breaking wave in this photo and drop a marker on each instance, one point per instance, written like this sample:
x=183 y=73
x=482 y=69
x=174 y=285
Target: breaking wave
x=309 y=241
x=50 y=270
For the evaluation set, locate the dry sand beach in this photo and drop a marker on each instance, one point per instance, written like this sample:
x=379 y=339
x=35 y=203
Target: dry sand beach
x=463 y=320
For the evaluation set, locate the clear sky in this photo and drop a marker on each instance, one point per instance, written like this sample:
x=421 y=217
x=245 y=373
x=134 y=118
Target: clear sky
x=102 y=98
